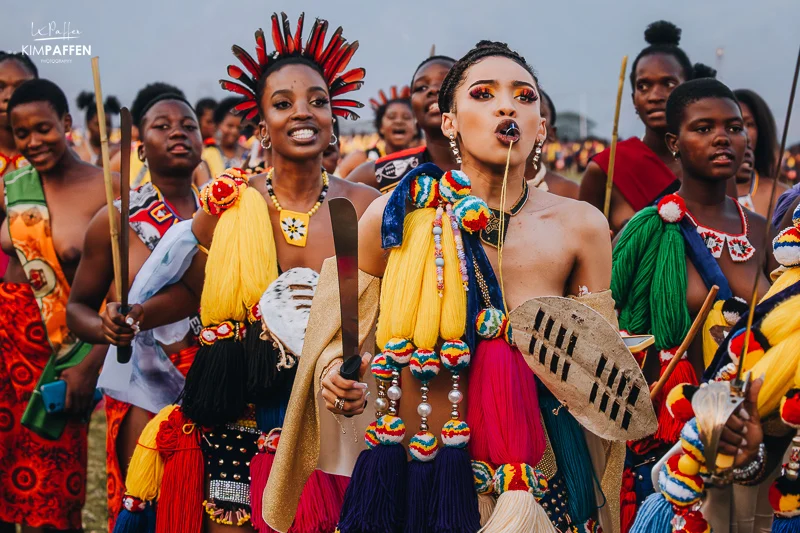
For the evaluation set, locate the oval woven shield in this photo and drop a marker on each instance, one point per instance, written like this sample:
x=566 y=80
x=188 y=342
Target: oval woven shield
x=584 y=362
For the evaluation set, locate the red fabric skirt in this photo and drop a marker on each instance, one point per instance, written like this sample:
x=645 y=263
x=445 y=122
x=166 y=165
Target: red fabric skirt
x=116 y=411
x=43 y=481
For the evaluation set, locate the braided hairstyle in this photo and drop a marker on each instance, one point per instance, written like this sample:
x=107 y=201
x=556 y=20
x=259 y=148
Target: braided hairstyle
x=150 y=95
x=86 y=101
x=482 y=50
x=22 y=59
x=663 y=38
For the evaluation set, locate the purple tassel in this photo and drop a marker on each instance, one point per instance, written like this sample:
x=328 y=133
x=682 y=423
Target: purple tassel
x=354 y=495
x=420 y=484
x=786 y=525
x=454 y=501
x=375 y=498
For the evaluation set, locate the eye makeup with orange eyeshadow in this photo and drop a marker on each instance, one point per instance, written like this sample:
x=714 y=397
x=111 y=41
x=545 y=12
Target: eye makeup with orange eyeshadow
x=528 y=94
x=479 y=92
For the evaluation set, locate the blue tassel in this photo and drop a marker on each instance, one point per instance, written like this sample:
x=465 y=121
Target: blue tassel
x=139 y=522
x=352 y=505
x=454 y=501
x=376 y=503
x=572 y=456
x=654 y=516
x=786 y=525
x=420 y=481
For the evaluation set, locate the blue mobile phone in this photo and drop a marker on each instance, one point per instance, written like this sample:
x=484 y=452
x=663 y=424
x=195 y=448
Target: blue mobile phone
x=54 y=395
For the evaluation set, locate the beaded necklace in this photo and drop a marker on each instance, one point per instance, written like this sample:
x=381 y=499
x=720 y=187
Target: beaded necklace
x=294 y=225
x=739 y=246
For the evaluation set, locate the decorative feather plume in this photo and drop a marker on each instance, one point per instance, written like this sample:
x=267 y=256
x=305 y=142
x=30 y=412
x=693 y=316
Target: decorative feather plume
x=261 y=47
x=246 y=60
x=332 y=58
x=277 y=38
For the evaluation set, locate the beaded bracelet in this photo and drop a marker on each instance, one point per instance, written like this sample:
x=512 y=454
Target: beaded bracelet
x=752 y=473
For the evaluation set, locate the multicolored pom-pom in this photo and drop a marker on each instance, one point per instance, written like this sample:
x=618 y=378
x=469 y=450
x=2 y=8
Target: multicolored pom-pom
x=390 y=430
x=381 y=368
x=424 y=191
x=490 y=323
x=519 y=476
x=679 y=402
x=425 y=364
x=672 y=208
x=784 y=496
x=755 y=350
x=472 y=213
x=790 y=408
x=455 y=434
x=399 y=351
x=786 y=247
x=454 y=186
x=691 y=522
x=508 y=334
x=223 y=192
x=423 y=446
x=733 y=309
x=371 y=435
x=680 y=489
x=455 y=355
x=483 y=476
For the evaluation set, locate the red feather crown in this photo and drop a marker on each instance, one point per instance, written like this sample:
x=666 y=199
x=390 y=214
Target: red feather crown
x=332 y=59
x=395 y=92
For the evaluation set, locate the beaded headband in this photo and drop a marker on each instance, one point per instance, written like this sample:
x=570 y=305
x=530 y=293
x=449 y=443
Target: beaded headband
x=332 y=59
x=396 y=94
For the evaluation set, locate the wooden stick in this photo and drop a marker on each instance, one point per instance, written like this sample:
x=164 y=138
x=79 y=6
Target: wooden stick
x=614 y=138
x=699 y=320
x=738 y=384
x=112 y=212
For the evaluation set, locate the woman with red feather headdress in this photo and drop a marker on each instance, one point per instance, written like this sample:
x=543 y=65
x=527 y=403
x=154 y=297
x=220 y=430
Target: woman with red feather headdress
x=259 y=240
x=396 y=127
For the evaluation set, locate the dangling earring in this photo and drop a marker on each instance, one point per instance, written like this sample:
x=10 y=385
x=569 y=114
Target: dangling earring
x=265 y=145
x=454 y=148
x=537 y=153
x=334 y=139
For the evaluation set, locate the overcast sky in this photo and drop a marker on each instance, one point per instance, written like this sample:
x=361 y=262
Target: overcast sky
x=575 y=45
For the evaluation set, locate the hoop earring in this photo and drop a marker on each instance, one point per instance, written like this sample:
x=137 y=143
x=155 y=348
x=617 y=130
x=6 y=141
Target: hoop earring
x=675 y=154
x=266 y=146
x=454 y=148
x=334 y=139
x=537 y=153
x=141 y=157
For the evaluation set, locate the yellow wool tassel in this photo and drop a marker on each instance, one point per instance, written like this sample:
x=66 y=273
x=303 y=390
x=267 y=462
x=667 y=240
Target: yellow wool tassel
x=429 y=310
x=715 y=318
x=779 y=366
x=241 y=264
x=259 y=266
x=146 y=468
x=518 y=511
x=454 y=301
x=402 y=280
x=786 y=280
